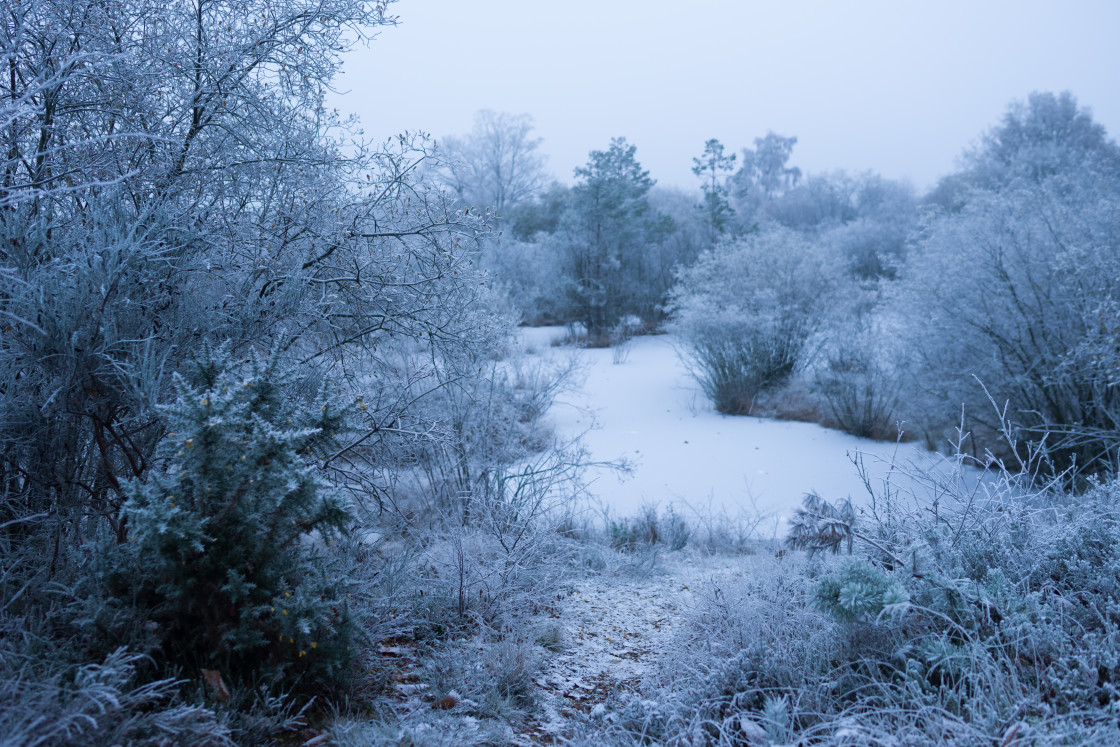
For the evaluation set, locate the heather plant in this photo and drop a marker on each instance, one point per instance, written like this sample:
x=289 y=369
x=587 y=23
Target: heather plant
x=98 y=703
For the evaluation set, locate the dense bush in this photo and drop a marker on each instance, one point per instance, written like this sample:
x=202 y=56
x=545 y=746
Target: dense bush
x=527 y=272
x=220 y=554
x=1015 y=277
x=746 y=313
x=973 y=609
x=1019 y=294
x=857 y=375
x=173 y=183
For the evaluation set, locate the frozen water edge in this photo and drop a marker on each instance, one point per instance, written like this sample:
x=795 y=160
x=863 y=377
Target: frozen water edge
x=648 y=412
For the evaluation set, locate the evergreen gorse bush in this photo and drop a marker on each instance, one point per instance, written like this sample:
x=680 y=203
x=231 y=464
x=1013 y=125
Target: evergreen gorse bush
x=224 y=554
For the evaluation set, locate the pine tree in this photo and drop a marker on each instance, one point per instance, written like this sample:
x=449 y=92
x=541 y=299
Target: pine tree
x=717 y=208
x=610 y=225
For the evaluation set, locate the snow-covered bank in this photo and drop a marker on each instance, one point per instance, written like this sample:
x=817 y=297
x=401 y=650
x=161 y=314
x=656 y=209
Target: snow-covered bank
x=648 y=411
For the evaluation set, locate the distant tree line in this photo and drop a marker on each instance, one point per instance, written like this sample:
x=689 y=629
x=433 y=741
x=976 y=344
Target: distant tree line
x=848 y=294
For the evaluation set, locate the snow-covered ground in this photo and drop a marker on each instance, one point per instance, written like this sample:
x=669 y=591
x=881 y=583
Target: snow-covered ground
x=648 y=411
x=616 y=630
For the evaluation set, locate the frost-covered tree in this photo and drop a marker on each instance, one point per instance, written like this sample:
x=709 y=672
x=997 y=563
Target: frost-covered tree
x=541 y=215
x=1016 y=282
x=497 y=164
x=763 y=175
x=606 y=232
x=1045 y=136
x=182 y=182
x=171 y=181
x=538 y=266
x=867 y=218
x=1019 y=293
x=873 y=243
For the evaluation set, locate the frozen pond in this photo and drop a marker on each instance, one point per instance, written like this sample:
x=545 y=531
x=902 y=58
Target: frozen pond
x=648 y=411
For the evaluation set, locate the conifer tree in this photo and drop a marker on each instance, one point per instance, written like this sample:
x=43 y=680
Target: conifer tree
x=717 y=208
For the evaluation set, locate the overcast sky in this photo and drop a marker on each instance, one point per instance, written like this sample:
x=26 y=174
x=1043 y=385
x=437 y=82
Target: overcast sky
x=897 y=87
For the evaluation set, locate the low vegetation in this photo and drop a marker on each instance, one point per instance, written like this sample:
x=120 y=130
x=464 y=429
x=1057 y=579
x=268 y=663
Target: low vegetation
x=978 y=609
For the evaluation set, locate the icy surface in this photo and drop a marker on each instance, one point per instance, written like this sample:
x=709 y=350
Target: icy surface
x=648 y=411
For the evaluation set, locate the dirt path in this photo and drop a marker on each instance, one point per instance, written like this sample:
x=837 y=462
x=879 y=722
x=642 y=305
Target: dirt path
x=615 y=629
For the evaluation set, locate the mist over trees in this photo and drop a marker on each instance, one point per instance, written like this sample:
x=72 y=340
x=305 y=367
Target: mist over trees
x=496 y=166
x=1007 y=260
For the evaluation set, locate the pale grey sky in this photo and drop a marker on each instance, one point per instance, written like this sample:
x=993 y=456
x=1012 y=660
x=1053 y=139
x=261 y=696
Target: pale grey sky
x=897 y=87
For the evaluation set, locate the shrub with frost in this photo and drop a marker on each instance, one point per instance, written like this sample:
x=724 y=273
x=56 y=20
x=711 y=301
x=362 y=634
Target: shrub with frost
x=224 y=555
x=1014 y=291
x=746 y=313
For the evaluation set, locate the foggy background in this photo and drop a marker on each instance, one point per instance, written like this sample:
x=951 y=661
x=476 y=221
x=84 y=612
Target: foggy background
x=897 y=88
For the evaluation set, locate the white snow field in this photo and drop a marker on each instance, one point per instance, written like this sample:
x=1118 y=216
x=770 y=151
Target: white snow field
x=648 y=411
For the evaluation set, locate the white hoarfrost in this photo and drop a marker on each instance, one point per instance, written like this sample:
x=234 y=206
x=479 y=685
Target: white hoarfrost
x=615 y=630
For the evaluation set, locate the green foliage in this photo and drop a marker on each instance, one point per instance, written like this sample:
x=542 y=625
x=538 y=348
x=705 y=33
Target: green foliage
x=608 y=228
x=224 y=551
x=717 y=208
x=861 y=591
